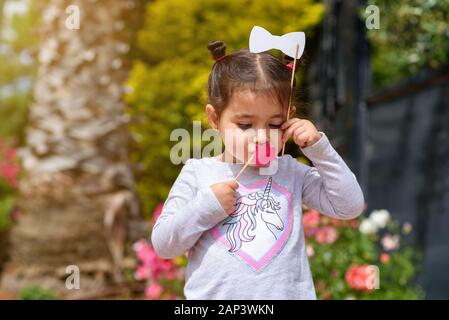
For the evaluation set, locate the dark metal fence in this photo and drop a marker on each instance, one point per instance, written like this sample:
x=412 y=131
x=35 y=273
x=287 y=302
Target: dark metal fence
x=407 y=154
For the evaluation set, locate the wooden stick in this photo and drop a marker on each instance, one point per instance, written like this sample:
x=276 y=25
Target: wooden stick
x=291 y=91
x=244 y=167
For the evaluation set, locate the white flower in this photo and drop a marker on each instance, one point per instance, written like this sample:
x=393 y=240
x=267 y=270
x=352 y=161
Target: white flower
x=380 y=218
x=368 y=227
x=390 y=242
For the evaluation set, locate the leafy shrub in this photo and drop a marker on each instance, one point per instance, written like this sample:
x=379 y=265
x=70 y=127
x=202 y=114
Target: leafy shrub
x=413 y=35
x=360 y=259
x=36 y=293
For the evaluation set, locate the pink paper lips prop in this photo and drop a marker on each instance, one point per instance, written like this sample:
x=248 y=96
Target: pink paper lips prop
x=265 y=153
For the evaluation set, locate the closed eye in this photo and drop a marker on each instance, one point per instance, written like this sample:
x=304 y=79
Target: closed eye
x=275 y=126
x=244 y=126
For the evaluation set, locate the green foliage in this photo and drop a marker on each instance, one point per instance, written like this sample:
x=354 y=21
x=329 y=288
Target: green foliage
x=412 y=35
x=169 y=84
x=18 y=69
x=36 y=293
x=15 y=109
x=6 y=204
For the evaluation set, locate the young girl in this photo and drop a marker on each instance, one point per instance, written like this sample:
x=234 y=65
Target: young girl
x=245 y=240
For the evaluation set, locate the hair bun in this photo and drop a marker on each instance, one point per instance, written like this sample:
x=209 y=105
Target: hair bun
x=217 y=48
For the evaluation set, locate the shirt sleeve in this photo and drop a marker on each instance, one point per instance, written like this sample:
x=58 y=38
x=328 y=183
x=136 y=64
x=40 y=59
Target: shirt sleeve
x=186 y=214
x=330 y=186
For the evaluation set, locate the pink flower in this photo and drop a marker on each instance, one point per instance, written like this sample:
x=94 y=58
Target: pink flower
x=385 y=258
x=10 y=171
x=153 y=291
x=142 y=273
x=390 y=242
x=172 y=274
x=310 y=221
x=156 y=213
x=310 y=232
x=11 y=154
x=151 y=265
x=9 y=164
x=326 y=235
x=354 y=224
x=144 y=252
x=311 y=218
x=358 y=277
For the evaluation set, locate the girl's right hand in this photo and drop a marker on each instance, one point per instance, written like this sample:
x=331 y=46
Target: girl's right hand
x=226 y=193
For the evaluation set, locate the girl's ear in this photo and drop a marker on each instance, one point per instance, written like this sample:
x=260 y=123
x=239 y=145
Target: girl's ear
x=212 y=116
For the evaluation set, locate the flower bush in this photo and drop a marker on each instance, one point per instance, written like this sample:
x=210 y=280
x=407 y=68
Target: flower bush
x=360 y=258
x=9 y=174
x=413 y=36
x=164 y=277
x=350 y=259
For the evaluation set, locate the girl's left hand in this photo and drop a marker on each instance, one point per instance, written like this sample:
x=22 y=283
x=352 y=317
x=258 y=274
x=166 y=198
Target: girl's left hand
x=303 y=131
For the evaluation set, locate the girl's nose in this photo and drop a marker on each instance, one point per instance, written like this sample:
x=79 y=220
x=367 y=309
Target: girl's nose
x=260 y=137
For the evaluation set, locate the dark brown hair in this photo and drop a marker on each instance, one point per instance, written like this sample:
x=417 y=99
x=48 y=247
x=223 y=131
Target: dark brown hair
x=244 y=70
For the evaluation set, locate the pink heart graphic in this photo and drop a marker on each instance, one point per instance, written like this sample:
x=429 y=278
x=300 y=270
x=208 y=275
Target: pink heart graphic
x=261 y=224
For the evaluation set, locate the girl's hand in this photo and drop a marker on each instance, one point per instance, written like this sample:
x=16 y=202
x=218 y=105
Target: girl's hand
x=303 y=131
x=226 y=193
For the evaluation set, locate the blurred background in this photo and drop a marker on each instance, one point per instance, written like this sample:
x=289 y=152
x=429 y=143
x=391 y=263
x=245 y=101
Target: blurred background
x=90 y=91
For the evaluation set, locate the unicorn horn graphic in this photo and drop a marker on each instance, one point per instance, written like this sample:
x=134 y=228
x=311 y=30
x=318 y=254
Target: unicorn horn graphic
x=267 y=213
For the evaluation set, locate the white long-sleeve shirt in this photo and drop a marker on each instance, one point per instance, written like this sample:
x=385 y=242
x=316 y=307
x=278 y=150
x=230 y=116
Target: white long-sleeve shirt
x=259 y=251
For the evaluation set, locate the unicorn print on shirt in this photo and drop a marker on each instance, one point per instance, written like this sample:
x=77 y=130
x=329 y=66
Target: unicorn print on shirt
x=256 y=214
x=260 y=224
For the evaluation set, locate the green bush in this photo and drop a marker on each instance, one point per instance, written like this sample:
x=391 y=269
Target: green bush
x=413 y=35
x=18 y=70
x=6 y=205
x=36 y=293
x=361 y=259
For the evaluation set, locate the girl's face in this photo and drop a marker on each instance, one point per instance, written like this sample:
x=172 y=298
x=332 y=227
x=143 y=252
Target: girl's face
x=248 y=119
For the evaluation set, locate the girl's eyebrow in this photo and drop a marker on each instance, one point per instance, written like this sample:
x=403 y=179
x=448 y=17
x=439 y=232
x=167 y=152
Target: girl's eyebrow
x=243 y=115
x=248 y=115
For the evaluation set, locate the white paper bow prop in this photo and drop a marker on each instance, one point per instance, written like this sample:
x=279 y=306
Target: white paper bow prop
x=261 y=40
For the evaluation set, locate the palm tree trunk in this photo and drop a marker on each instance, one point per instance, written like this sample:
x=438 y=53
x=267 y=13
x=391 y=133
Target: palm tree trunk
x=77 y=196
